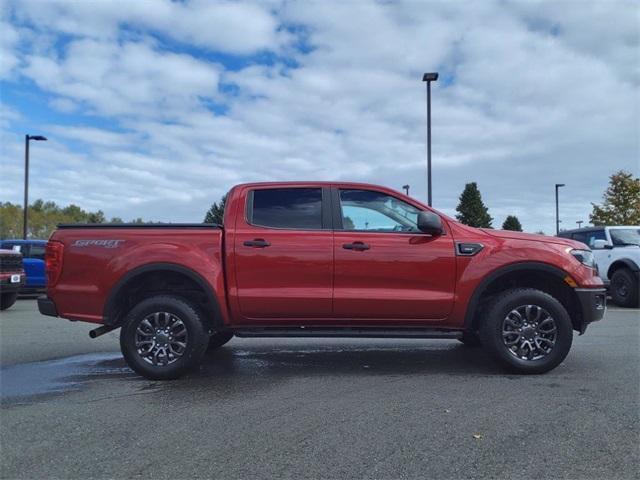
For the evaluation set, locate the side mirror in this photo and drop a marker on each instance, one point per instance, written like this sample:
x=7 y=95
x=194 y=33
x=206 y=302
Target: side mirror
x=600 y=244
x=430 y=223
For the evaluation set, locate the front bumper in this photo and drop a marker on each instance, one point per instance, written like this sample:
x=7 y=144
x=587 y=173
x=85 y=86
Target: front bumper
x=593 y=302
x=47 y=307
x=7 y=286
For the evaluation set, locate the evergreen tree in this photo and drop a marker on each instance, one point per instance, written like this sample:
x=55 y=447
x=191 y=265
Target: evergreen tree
x=216 y=212
x=471 y=210
x=621 y=204
x=512 y=223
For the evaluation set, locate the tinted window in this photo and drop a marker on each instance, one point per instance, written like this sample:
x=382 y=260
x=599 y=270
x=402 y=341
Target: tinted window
x=589 y=237
x=375 y=211
x=625 y=236
x=296 y=208
x=36 y=251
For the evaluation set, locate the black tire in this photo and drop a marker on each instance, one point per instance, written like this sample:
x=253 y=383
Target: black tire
x=470 y=339
x=624 y=288
x=169 y=309
x=218 y=339
x=491 y=330
x=7 y=300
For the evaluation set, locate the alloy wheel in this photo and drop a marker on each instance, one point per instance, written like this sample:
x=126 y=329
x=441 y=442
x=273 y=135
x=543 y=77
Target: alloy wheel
x=529 y=332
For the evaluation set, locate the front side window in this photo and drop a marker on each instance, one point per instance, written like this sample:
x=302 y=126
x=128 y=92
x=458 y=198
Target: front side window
x=294 y=208
x=366 y=210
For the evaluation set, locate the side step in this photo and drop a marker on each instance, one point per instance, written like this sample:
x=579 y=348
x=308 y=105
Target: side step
x=348 y=332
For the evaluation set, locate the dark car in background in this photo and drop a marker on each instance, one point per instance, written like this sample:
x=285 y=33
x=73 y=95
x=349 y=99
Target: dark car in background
x=33 y=258
x=12 y=277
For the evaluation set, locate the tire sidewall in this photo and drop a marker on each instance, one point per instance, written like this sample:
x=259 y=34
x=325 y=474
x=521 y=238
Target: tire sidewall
x=7 y=300
x=491 y=331
x=196 y=343
x=631 y=299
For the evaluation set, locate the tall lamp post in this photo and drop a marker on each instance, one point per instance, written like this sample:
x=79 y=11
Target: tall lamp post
x=406 y=189
x=579 y=222
x=429 y=77
x=558 y=185
x=27 y=139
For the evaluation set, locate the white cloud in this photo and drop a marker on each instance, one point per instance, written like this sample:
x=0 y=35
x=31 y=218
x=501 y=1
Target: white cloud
x=529 y=95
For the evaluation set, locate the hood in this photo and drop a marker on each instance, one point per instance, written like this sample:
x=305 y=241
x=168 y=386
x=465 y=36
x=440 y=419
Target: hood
x=533 y=237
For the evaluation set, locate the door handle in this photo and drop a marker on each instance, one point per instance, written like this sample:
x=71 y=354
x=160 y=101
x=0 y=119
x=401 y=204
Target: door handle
x=257 y=243
x=359 y=246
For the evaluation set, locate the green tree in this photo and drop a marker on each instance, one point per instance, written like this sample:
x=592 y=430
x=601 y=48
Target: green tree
x=216 y=212
x=44 y=217
x=621 y=204
x=512 y=223
x=471 y=210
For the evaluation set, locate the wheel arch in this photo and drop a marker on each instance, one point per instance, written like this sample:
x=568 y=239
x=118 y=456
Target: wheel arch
x=622 y=263
x=119 y=298
x=538 y=275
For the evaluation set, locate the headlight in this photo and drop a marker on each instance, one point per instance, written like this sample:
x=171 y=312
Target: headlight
x=585 y=257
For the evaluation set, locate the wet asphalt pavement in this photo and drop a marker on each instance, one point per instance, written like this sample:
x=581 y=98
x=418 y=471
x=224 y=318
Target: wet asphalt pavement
x=301 y=408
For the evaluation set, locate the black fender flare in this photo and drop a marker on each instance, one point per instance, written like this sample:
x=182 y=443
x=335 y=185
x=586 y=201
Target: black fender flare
x=500 y=272
x=627 y=262
x=110 y=311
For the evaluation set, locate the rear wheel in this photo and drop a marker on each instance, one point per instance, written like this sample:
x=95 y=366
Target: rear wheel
x=624 y=288
x=219 y=339
x=163 y=337
x=7 y=300
x=527 y=330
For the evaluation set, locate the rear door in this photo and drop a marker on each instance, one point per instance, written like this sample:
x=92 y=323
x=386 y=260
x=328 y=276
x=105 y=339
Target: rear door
x=385 y=268
x=283 y=248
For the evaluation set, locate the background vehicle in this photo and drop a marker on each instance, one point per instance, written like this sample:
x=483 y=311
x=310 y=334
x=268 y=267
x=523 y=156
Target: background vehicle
x=33 y=259
x=617 y=254
x=325 y=260
x=11 y=277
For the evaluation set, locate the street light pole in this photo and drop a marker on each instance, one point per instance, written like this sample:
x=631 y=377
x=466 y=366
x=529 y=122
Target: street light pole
x=579 y=222
x=558 y=185
x=406 y=189
x=25 y=215
x=429 y=77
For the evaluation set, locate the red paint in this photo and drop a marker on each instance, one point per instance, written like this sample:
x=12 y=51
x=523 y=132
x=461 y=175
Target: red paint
x=305 y=277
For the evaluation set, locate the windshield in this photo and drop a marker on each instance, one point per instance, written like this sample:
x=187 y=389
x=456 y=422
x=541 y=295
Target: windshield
x=625 y=236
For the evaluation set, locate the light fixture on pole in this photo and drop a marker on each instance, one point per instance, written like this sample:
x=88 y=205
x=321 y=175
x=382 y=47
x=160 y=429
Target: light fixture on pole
x=406 y=189
x=558 y=185
x=579 y=222
x=429 y=77
x=27 y=138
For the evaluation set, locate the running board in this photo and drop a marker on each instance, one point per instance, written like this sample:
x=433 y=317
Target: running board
x=347 y=332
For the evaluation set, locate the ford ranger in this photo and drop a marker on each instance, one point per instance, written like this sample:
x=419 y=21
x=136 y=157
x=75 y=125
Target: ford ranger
x=322 y=259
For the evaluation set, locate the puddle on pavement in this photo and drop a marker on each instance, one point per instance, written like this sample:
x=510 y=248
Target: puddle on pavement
x=26 y=380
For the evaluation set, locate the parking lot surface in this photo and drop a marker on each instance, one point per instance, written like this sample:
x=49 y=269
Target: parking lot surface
x=302 y=408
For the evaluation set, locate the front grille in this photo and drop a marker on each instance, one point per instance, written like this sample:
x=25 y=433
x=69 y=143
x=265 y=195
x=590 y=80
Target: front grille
x=10 y=263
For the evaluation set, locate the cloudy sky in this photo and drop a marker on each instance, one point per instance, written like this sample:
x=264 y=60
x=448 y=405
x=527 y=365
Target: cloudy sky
x=156 y=108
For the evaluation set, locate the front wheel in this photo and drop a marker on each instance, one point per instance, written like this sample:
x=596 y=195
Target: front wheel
x=624 y=288
x=163 y=337
x=527 y=330
x=7 y=300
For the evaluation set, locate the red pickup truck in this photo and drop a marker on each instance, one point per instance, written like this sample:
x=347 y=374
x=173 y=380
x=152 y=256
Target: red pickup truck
x=320 y=259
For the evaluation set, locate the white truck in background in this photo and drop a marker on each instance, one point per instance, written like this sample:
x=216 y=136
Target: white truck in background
x=617 y=254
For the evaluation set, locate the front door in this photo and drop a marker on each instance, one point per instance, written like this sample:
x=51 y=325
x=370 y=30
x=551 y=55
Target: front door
x=385 y=268
x=284 y=255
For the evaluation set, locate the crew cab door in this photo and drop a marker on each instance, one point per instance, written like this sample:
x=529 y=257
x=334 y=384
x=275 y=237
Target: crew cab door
x=385 y=268
x=283 y=250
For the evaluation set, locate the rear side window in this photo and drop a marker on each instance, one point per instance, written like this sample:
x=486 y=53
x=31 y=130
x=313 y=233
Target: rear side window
x=294 y=208
x=36 y=251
